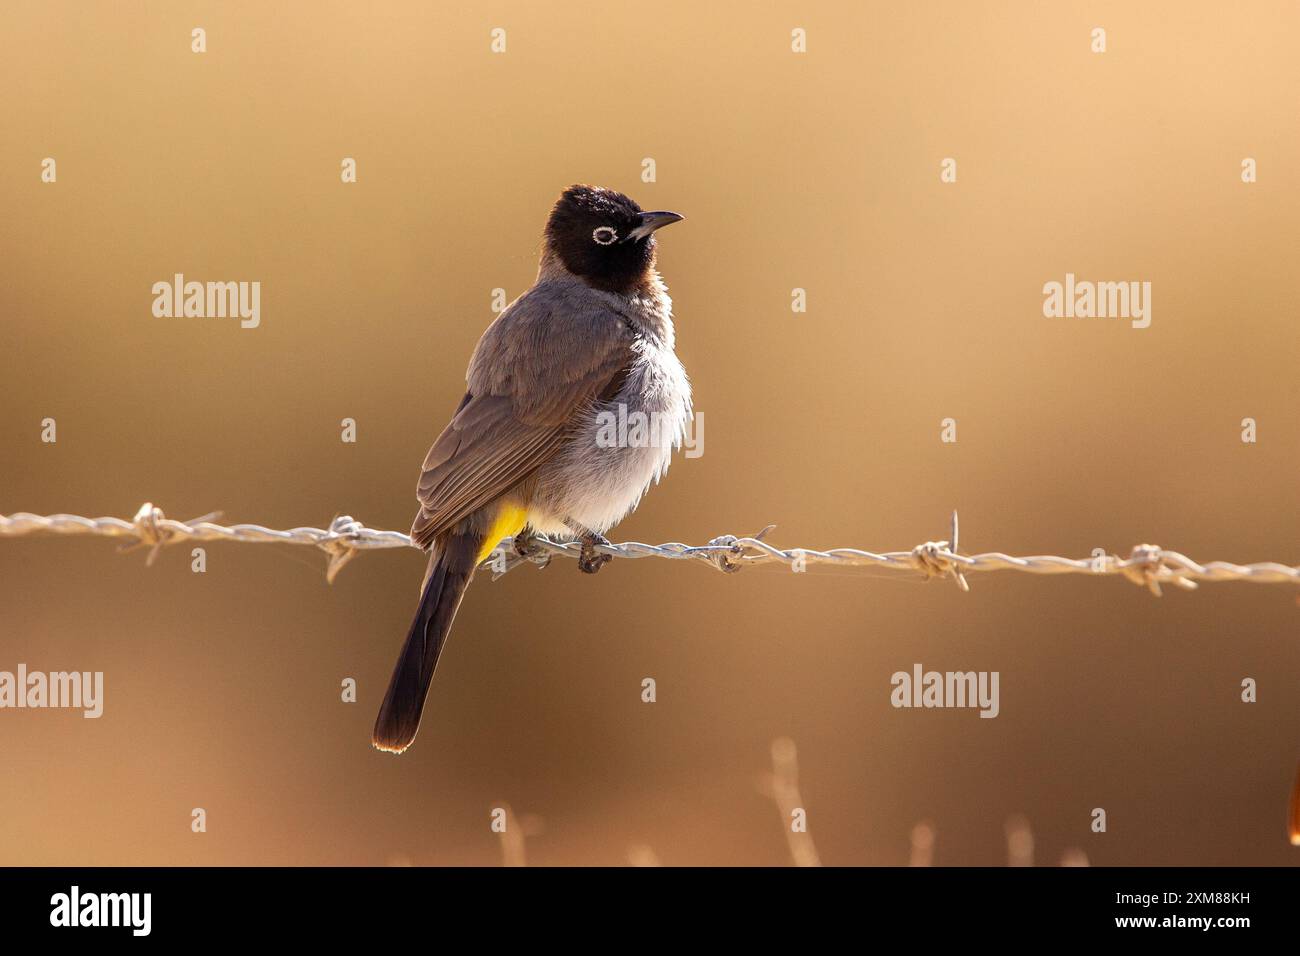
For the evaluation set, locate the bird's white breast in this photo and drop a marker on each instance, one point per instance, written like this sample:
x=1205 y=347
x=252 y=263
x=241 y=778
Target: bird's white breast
x=619 y=448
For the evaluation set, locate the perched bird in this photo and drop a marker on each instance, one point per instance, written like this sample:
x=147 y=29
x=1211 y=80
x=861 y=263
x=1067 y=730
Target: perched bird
x=533 y=446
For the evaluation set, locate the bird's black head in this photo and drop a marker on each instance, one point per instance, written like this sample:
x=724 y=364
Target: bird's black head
x=604 y=237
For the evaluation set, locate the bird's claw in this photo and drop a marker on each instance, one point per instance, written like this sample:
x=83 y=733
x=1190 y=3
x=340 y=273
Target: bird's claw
x=525 y=545
x=589 y=560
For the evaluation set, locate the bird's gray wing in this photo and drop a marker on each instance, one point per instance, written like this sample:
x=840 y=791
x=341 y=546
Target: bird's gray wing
x=542 y=363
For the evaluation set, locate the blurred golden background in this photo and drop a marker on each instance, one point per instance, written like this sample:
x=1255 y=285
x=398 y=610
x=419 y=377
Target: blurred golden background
x=816 y=170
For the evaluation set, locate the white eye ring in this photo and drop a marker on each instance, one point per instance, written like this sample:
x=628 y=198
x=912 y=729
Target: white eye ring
x=605 y=235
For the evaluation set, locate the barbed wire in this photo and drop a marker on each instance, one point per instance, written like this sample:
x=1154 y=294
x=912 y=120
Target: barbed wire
x=1147 y=564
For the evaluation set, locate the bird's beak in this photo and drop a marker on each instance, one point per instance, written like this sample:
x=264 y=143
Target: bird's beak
x=650 y=221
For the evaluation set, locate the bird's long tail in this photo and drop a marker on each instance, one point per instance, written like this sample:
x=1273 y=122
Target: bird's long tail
x=451 y=567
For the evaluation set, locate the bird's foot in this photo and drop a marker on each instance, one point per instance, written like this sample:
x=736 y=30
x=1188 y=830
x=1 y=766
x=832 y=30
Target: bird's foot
x=525 y=545
x=589 y=560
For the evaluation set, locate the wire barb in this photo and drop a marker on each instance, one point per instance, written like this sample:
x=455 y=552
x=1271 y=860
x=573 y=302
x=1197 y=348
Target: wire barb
x=1147 y=565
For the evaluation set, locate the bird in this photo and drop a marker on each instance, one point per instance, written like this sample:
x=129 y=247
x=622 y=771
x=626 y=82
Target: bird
x=534 y=447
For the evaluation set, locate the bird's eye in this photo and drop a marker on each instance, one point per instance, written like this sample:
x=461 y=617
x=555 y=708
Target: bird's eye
x=605 y=235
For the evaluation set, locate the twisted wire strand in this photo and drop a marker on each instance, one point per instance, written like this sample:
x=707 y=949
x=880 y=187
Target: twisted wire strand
x=1146 y=565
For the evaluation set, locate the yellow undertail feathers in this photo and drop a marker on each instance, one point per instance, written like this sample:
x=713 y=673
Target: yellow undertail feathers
x=510 y=520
